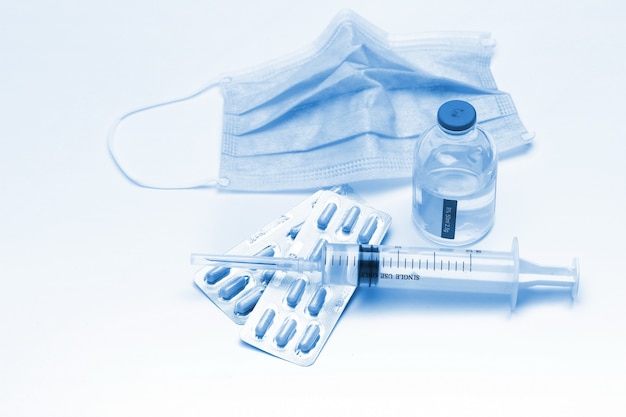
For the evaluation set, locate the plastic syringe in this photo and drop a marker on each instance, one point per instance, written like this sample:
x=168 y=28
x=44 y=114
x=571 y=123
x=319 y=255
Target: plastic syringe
x=454 y=270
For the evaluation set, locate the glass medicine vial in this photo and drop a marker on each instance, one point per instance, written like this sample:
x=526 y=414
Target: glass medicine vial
x=454 y=178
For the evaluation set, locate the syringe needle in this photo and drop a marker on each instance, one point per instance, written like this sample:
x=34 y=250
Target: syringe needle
x=256 y=262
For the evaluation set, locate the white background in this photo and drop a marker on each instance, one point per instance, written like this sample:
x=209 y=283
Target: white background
x=98 y=312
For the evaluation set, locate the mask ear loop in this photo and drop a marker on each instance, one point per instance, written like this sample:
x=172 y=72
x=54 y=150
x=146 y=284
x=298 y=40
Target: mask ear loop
x=112 y=142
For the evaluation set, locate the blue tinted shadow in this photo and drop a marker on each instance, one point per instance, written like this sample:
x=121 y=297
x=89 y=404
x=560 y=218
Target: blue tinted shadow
x=377 y=301
x=543 y=296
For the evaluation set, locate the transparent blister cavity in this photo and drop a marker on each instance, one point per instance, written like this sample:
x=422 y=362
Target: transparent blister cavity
x=297 y=312
x=236 y=291
x=339 y=219
x=293 y=321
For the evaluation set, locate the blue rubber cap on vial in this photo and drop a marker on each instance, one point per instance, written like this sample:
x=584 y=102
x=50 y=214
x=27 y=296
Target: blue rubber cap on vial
x=456 y=115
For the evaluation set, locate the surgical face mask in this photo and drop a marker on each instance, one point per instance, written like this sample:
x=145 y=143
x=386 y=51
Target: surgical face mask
x=349 y=109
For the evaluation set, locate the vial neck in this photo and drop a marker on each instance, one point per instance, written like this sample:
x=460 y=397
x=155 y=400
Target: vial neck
x=457 y=132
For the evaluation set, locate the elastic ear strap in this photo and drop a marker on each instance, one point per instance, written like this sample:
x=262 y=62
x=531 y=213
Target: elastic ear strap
x=112 y=142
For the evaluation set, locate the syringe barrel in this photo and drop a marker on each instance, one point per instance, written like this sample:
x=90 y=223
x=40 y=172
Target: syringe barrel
x=340 y=263
x=457 y=270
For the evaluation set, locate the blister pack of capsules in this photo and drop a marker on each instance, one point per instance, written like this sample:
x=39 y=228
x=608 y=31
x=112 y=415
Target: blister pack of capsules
x=236 y=291
x=297 y=311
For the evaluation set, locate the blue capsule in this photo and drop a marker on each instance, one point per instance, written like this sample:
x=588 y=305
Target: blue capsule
x=317 y=301
x=216 y=274
x=266 y=320
x=296 y=289
x=350 y=220
x=310 y=338
x=267 y=276
x=234 y=287
x=286 y=332
x=293 y=232
x=266 y=251
x=327 y=214
x=368 y=229
x=247 y=302
x=316 y=252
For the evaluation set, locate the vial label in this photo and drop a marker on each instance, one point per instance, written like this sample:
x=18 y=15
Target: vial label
x=455 y=220
x=448 y=219
x=430 y=213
